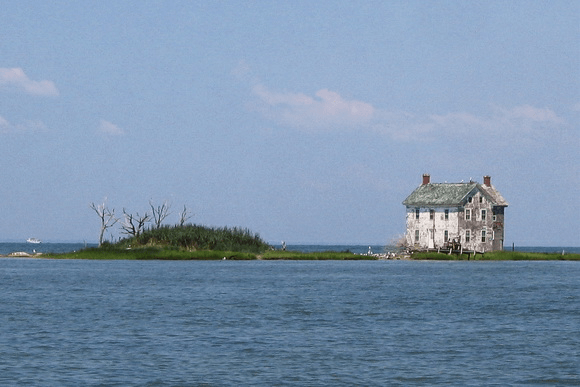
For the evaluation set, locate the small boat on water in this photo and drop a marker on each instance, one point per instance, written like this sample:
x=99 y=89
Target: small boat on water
x=33 y=240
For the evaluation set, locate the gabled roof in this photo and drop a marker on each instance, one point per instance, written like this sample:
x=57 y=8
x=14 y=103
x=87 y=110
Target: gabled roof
x=451 y=194
x=494 y=195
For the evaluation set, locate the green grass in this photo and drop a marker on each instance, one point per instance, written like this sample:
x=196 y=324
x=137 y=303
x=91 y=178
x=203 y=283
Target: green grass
x=195 y=237
x=498 y=256
x=112 y=252
x=326 y=255
x=151 y=253
x=438 y=256
x=522 y=256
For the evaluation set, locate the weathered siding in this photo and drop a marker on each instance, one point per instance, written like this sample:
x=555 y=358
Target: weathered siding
x=431 y=231
x=476 y=225
x=498 y=227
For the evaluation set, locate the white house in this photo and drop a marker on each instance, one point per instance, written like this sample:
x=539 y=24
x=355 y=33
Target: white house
x=471 y=214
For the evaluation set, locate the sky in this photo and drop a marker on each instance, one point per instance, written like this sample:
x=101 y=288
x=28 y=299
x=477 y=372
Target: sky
x=306 y=122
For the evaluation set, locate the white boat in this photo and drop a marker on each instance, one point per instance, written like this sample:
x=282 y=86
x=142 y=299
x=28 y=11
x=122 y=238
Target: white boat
x=33 y=240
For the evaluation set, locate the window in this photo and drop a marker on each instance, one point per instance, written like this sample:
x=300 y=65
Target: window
x=417 y=213
x=431 y=214
x=417 y=236
x=481 y=199
x=446 y=235
x=494 y=218
x=446 y=214
x=467 y=214
x=483 y=215
x=469 y=199
x=483 y=232
x=467 y=235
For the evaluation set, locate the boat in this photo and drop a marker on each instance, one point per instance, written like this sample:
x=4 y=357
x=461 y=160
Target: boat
x=33 y=240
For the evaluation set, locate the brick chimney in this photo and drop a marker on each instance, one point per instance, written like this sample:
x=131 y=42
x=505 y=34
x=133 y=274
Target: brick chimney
x=426 y=178
x=487 y=181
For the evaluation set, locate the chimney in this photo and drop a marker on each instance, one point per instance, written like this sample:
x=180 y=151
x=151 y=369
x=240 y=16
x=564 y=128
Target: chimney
x=487 y=181
x=426 y=178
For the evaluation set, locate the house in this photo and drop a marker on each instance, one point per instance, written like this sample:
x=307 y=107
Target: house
x=469 y=214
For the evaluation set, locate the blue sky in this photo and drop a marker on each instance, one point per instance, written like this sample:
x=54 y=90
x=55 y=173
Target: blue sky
x=308 y=122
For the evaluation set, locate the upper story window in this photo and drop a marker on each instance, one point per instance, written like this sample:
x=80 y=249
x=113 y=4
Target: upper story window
x=446 y=214
x=481 y=199
x=469 y=199
x=467 y=214
x=483 y=215
x=431 y=214
x=416 y=213
x=483 y=235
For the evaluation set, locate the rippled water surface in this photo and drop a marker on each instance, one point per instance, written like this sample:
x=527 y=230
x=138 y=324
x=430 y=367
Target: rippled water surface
x=227 y=323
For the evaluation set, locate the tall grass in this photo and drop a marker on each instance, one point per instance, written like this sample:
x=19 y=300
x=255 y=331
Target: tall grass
x=196 y=237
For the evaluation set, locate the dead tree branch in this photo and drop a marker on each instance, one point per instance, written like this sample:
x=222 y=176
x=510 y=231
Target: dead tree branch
x=107 y=217
x=184 y=217
x=134 y=225
x=159 y=213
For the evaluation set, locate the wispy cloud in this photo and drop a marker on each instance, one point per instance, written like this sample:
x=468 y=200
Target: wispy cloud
x=325 y=110
x=16 y=79
x=328 y=110
x=110 y=129
x=26 y=126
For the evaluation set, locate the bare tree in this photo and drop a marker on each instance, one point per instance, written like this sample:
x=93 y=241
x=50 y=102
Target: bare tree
x=107 y=217
x=159 y=213
x=184 y=216
x=134 y=224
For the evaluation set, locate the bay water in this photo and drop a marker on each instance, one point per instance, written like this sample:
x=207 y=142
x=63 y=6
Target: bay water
x=289 y=323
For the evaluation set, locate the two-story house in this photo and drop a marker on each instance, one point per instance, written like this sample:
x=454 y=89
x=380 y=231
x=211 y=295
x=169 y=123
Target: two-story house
x=469 y=213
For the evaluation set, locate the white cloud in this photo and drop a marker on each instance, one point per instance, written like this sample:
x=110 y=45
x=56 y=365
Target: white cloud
x=110 y=129
x=14 y=78
x=26 y=126
x=327 y=109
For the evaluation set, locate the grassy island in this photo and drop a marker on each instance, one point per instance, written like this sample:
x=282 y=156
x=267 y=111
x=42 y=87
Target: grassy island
x=195 y=242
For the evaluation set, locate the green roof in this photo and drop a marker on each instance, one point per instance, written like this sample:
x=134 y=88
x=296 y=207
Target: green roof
x=450 y=194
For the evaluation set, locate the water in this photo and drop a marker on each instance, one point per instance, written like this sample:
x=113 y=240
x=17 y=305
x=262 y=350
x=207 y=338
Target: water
x=31 y=248
x=288 y=323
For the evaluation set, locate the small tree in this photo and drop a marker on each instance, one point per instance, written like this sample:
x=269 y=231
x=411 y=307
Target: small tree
x=107 y=217
x=184 y=216
x=400 y=242
x=159 y=213
x=134 y=225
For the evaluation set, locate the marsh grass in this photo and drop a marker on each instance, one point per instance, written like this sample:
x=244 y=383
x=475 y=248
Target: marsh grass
x=195 y=237
x=317 y=256
x=152 y=253
x=524 y=256
x=497 y=256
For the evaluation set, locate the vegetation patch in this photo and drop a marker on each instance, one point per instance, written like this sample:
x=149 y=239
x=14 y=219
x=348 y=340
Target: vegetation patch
x=151 y=253
x=497 y=256
x=317 y=256
x=525 y=256
x=188 y=242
